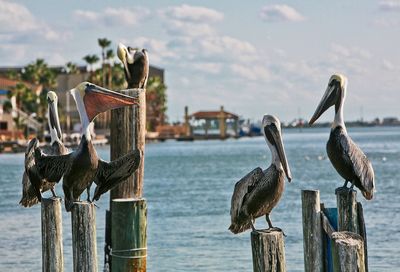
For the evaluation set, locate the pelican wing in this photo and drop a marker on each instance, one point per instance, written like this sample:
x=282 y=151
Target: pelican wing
x=362 y=167
x=242 y=188
x=50 y=167
x=29 y=197
x=110 y=174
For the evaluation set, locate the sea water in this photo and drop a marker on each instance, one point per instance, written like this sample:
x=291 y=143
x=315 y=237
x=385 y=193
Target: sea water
x=188 y=187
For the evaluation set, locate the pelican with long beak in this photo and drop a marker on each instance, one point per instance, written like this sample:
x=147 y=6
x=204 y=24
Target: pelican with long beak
x=347 y=158
x=82 y=167
x=32 y=184
x=136 y=65
x=259 y=191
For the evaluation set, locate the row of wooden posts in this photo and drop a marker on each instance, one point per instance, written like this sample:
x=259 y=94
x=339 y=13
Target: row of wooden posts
x=334 y=239
x=126 y=221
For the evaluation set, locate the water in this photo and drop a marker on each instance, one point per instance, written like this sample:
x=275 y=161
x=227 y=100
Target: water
x=188 y=186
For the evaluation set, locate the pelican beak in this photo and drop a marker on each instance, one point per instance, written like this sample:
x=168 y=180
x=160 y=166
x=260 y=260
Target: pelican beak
x=53 y=117
x=329 y=99
x=98 y=100
x=274 y=137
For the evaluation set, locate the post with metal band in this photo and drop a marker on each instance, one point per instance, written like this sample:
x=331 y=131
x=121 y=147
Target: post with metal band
x=128 y=235
x=84 y=246
x=128 y=130
x=52 y=247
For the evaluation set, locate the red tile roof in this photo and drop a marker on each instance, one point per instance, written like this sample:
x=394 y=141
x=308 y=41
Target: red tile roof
x=212 y=115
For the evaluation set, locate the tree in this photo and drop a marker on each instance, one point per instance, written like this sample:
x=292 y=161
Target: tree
x=109 y=56
x=156 y=103
x=103 y=43
x=39 y=73
x=71 y=68
x=90 y=60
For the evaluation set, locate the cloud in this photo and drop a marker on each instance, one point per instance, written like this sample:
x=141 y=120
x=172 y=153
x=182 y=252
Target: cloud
x=389 y=5
x=194 y=14
x=111 y=17
x=280 y=13
x=157 y=49
x=19 y=25
x=251 y=72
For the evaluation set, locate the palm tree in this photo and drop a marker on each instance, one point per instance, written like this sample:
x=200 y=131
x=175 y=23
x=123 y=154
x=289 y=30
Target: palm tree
x=156 y=103
x=71 y=68
x=38 y=73
x=90 y=60
x=109 y=56
x=103 y=43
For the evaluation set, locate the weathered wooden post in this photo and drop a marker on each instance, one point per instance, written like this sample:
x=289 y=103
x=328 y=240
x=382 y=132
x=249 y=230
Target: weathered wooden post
x=351 y=217
x=348 y=252
x=128 y=132
x=84 y=247
x=347 y=210
x=312 y=231
x=128 y=235
x=268 y=250
x=52 y=247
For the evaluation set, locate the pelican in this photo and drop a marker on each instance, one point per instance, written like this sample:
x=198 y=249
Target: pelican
x=80 y=168
x=347 y=158
x=259 y=191
x=32 y=184
x=136 y=65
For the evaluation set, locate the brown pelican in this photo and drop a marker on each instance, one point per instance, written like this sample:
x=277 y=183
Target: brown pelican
x=80 y=168
x=259 y=191
x=136 y=65
x=32 y=184
x=347 y=158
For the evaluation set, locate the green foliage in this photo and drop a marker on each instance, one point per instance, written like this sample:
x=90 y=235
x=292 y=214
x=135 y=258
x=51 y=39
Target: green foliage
x=156 y=102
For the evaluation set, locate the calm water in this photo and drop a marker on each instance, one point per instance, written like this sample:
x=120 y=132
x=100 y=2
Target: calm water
x=188 y=187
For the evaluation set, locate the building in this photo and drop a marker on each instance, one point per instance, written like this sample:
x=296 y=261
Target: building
x=66 y=82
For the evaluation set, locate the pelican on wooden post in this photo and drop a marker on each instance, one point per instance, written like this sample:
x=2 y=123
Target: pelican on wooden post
x=32 y=184
x=346 y=157
x=82 y=167
x=136 y=65
x=259 y=191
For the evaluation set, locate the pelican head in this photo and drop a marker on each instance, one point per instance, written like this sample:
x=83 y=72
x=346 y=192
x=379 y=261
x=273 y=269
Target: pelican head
x=136 y=65
x=334 y=95
x=54 y=121
x=273 y=136
x=93 y=100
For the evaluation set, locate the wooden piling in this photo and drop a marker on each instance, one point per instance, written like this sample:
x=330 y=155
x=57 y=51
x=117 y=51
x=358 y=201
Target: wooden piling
x=52 y=247
x=128 y=132
x=312 y=231
x=128 y=235
x=348 y=252
x=268 y=250
x=347 y=210
x=84 y=247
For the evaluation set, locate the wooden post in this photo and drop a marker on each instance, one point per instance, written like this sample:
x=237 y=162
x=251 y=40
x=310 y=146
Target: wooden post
x=128 y=132
x=222 y=123
x=312 y=231
x=84 y=247
x=348 y=252
x=128 y=235
x=268 y=250
x=347 y=210
x=52 y=247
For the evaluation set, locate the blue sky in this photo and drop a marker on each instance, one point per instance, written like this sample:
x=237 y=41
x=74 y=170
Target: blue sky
x=253 y=57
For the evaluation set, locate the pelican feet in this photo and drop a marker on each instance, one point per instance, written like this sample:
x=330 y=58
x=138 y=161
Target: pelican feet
x=275 y=229
x=345 y=188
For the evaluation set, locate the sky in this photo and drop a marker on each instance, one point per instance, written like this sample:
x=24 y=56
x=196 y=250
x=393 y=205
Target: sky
x=252 y=57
